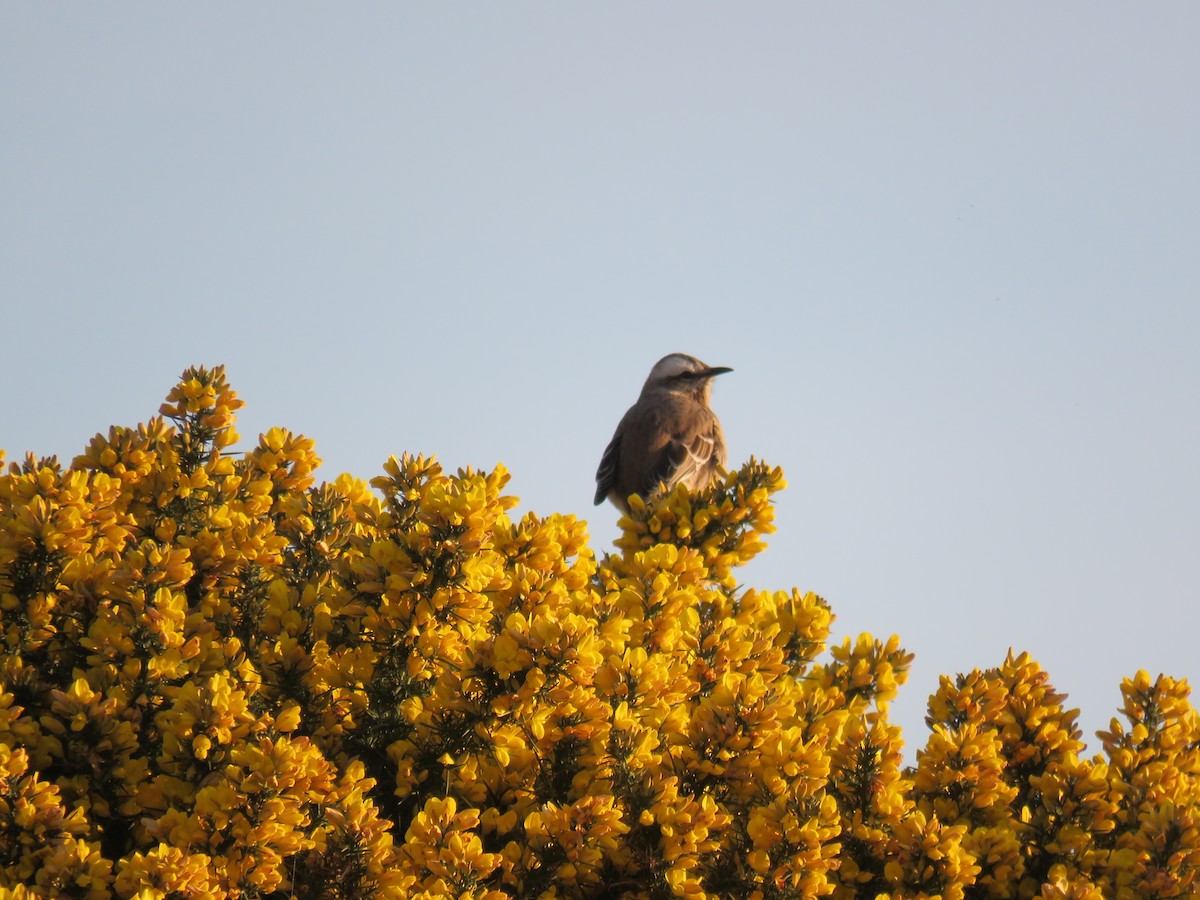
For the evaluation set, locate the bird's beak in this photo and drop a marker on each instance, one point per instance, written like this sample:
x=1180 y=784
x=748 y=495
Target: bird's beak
x=716 y=370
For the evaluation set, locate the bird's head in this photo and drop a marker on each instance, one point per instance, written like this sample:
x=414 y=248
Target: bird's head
x=680 y=373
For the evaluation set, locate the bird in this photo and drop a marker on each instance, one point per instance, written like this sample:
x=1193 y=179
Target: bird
x=669 y=437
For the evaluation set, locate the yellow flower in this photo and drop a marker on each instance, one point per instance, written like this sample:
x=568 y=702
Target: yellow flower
x=219 y=678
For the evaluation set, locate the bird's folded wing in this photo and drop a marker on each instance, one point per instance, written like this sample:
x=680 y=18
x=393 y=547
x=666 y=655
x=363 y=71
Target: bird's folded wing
x=683 y=457
x=606 y=474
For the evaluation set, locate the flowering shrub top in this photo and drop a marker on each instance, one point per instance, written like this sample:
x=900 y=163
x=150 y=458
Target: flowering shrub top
x=220 y=680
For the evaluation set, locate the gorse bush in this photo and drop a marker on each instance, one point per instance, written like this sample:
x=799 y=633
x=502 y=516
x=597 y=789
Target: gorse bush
x=219 y=680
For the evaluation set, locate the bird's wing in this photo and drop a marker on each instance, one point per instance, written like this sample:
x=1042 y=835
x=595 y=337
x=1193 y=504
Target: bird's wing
x=681 y=458
x=606 y=474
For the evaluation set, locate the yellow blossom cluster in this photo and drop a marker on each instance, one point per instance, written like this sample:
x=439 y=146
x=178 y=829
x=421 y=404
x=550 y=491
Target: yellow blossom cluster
x=220 y=679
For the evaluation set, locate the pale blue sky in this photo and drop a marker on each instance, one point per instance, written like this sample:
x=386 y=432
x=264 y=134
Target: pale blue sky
x=950 y=250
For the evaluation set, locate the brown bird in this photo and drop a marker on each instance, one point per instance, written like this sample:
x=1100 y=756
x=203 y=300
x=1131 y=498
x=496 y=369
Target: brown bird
x=670 y=436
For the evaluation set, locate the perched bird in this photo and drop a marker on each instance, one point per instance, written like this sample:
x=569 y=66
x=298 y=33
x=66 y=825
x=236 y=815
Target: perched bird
x=670 y=436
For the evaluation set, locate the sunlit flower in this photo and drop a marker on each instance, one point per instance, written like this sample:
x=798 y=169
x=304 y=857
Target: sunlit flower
x=219 y=678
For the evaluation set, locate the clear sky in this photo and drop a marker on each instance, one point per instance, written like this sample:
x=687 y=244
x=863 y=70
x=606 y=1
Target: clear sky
x=951 y=250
